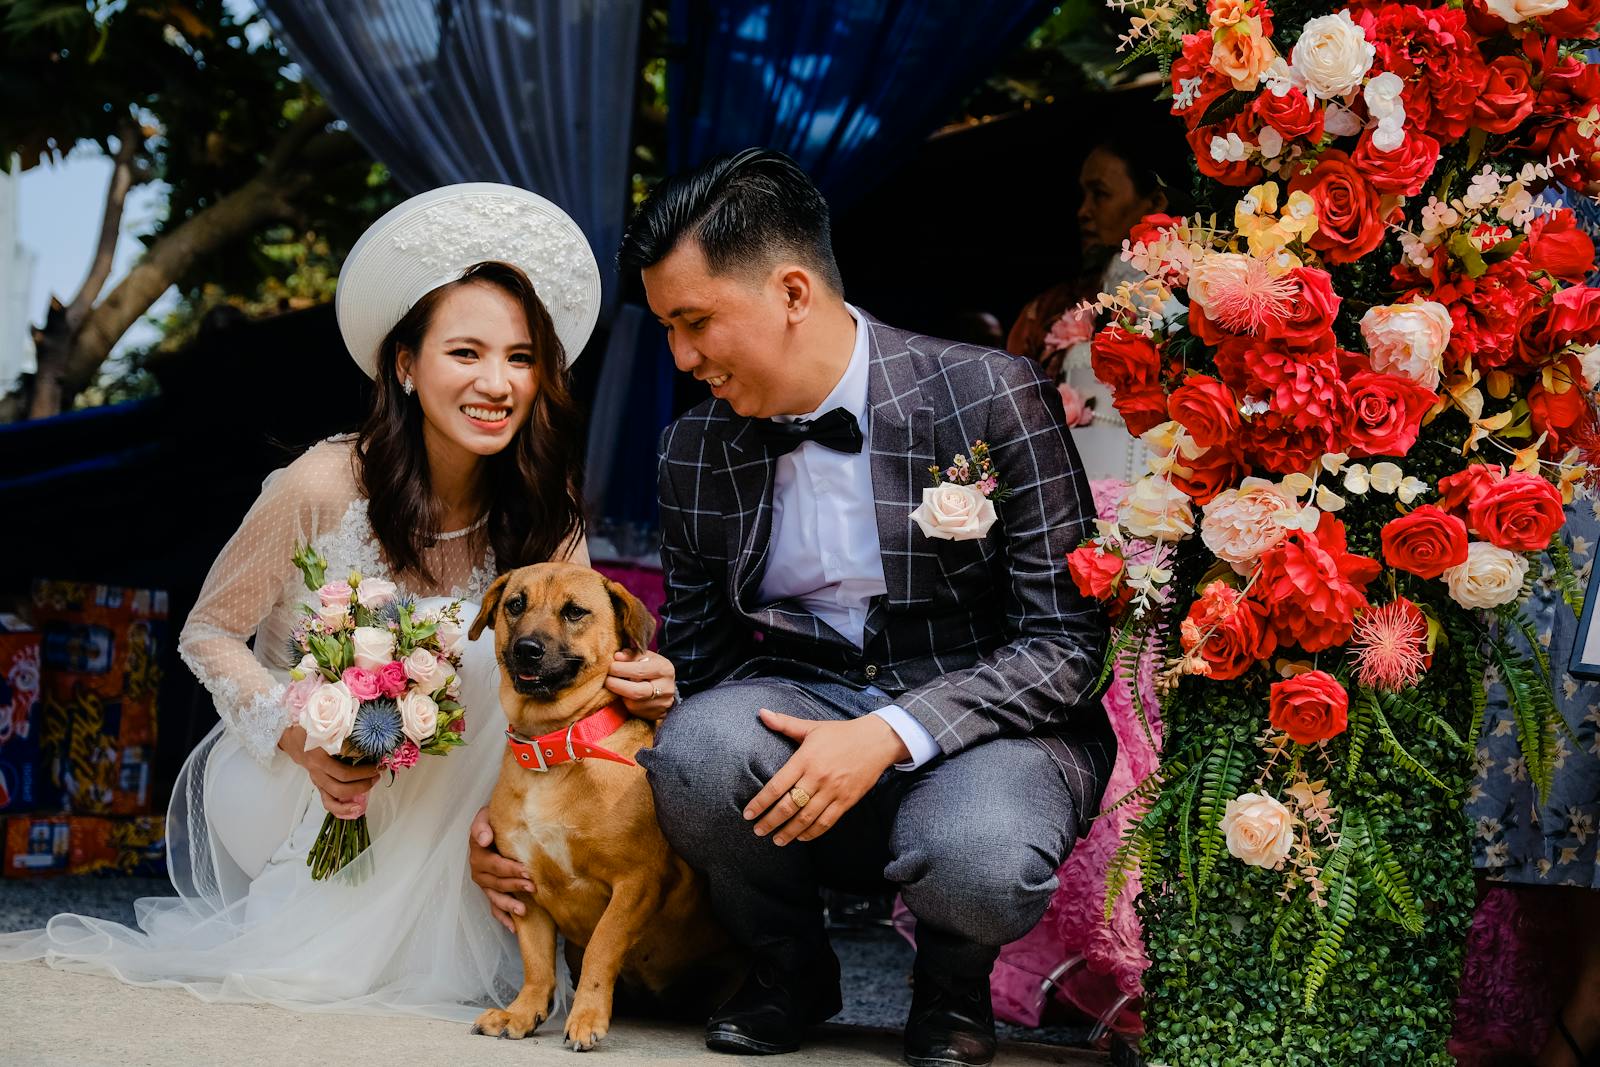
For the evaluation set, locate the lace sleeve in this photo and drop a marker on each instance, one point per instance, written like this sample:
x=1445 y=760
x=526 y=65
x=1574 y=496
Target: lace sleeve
x=248 y=582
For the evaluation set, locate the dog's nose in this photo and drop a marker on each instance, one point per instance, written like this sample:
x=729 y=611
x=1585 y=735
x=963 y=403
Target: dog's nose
x=528 y=649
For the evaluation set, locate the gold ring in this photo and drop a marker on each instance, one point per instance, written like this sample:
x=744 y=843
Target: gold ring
x=655 y=691
x=800 y=797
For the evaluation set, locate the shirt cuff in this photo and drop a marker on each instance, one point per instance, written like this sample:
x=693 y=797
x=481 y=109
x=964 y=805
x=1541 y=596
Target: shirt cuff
x=918 y=741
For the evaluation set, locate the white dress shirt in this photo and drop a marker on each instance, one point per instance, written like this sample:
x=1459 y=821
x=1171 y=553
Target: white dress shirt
x=825 y=551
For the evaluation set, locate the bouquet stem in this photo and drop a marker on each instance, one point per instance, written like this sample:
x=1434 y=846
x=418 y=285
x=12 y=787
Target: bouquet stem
x=338 y=842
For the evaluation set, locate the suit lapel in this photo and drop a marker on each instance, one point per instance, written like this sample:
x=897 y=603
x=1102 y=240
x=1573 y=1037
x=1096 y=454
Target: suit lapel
x=749 y=468
x=901 y=442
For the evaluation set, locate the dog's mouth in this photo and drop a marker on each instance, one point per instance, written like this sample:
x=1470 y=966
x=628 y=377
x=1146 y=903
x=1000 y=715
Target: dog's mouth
x=543 y=681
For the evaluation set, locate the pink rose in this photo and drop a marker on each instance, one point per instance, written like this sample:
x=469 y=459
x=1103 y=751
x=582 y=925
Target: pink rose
x=336 y=595
x=1079 y=412
x=300 y=692
x=362 y=683
x=392 y=678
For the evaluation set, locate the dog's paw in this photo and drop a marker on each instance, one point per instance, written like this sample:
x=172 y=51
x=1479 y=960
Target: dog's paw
x=586 y=1025
x=513 y=1024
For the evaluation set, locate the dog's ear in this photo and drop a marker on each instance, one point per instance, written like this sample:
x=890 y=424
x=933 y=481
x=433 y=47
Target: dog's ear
x=635 y=624
x=491 y=604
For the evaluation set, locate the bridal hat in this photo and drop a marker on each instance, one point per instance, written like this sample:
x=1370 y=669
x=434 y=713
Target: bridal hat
x=435 y=236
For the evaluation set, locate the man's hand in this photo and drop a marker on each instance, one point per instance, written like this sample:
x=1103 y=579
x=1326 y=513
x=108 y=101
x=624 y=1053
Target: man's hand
x=646 y=682
x=497 y=876
x=836 y=764
x=343 y=788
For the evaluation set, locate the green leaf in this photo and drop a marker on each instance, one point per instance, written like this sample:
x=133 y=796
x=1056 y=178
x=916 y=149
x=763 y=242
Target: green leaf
x=1221 y=779
x=1360 y=730
x=1343 y=889
x=1225 y=107
x=1401 y=755
x=1385 y=870
x=1572 y=590
x=1533 y=710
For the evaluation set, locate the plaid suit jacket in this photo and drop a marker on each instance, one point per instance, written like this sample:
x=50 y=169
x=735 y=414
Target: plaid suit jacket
x=975 y=639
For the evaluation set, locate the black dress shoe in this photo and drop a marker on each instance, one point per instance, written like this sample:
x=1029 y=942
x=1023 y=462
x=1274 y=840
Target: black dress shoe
x=776 y=1004
x=951 y=1023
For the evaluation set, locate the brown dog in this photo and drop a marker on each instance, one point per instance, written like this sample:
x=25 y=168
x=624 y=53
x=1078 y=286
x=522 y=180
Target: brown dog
x=585 y=828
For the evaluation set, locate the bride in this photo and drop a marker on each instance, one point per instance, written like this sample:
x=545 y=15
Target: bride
x=465 y=304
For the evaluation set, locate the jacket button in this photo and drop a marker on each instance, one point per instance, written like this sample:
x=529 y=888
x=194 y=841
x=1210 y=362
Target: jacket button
x=871 y=672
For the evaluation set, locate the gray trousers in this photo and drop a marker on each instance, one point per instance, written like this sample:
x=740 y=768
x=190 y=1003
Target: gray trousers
x=971 y=841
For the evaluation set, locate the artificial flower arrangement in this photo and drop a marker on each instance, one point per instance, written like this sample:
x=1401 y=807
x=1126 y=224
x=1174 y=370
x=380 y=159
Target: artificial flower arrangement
x=376 y=683
x=1365 y=381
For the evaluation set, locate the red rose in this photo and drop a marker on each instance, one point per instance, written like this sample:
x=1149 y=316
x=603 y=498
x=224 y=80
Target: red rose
x=1574 y=316
x=1560 y=414
x=1506 y=99
x=1558 y=247
x=1311 y=312
x=1241 y=172
x=1405 y=170
x=1457 y=491
x=1292 y=114
x=1203 y=478
x=1309 y=707
x=1427 y=542
x=1229 y=630
x=1576 y=20
x=1435 y=54
x=1147 y=229
x=1142 y=407
x=1521 y=512
x=1095 y=573
x=1313 y=586
x=1122 y=359
x=1349 y=214
x=1206 y=408
x=1384 y=414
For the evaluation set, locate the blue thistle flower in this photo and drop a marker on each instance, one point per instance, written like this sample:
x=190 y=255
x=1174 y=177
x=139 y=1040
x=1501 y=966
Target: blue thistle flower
x=377 y=731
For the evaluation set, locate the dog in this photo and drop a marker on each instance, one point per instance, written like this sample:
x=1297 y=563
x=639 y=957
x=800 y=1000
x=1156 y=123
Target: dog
x=574 y=808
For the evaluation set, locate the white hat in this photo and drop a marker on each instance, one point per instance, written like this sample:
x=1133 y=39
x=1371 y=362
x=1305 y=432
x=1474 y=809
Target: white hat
x=435 y=236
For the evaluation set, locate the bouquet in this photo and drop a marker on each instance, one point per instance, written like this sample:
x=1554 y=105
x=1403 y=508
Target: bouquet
x=376 y=683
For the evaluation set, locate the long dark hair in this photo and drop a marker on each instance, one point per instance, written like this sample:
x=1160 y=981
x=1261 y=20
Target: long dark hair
x=534 y=486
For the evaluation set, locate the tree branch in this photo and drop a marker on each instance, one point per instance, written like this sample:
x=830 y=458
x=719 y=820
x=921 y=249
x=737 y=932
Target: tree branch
x=130 y=140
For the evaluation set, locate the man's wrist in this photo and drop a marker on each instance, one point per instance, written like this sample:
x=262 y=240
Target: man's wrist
x=894 y=748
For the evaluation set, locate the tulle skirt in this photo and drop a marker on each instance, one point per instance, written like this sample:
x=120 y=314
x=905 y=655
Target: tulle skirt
x=402 y=930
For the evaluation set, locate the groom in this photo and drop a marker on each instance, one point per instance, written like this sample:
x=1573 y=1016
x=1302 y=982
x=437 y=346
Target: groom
x=865 y=706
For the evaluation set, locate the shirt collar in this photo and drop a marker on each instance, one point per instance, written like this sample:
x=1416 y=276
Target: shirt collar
x=851 y=391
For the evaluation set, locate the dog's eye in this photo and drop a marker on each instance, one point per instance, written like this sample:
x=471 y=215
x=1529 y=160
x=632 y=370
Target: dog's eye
x=573 y=613
x=516 y=605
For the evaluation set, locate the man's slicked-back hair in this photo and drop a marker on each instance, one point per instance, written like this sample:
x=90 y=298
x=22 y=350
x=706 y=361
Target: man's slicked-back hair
x=746 y=211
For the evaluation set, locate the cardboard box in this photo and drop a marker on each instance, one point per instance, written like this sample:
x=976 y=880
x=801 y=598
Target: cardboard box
x=100 y=664
x=43 y=846
x=19 y=715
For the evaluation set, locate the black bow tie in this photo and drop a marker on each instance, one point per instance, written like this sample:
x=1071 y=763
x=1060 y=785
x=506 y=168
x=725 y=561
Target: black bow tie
x=837 y=430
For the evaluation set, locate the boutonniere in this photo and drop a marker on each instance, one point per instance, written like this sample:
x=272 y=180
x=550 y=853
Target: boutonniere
x=959 y=506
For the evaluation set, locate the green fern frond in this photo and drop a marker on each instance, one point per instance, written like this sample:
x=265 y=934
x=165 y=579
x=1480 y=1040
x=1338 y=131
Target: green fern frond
x=1129 y=636
x=1385 y=870
x=1401 y=755
x=1186 y=848
x=1220 y=781
x=1360 y=730
x=1407 y=707
x=1567 y=581
x=1533 y=710
x=1343 y=889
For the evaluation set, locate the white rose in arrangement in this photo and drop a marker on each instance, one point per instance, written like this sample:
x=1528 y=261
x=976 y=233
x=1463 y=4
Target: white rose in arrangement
x=954 y=512
x=1259 y=830
x=334 y=616
x=1515 y=11
x=452 y=637
x=1155 y=508
x=1490 y=577
x=421 y=667
x=375 y=592
x=419 y=716
x=328 y=716
x=307 y=665
x=1331 y=57
x=373 y=646
x=1408 y=339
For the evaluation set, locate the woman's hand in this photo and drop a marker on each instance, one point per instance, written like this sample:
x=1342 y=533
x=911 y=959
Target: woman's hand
x=646 y=681
x=499 y=878
x=343 y=788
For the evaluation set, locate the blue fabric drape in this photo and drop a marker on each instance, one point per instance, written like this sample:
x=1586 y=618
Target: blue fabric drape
x=538 y=95
x=843 y=86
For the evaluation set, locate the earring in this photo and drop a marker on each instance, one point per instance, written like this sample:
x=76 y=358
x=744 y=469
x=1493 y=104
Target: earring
x=407 y=388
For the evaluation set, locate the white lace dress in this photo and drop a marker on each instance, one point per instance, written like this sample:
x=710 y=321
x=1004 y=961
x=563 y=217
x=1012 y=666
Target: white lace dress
x=249 y=924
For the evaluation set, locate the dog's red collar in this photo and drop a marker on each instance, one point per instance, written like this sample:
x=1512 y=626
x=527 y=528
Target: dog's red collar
x=572 y=744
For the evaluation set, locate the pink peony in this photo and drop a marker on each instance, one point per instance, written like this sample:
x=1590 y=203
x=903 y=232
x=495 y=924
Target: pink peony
x=392 y=678
x=1075 y=326
x=1079 y=411
x=362 y=683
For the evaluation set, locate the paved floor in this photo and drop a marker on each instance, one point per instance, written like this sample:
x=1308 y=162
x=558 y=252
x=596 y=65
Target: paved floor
x=50 y=1017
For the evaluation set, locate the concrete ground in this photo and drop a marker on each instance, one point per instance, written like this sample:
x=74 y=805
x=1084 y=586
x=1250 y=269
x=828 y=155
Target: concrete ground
x=50 y=1017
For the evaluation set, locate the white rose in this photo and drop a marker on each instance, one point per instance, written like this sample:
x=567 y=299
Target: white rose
x=328 y=716
x=1153 y=507
x=1259 y=830
x=451 y=636
x=1522 y=10
x=373 y=647
x=1331 y=57
x=1408 y=339
x=1490 y=577
x=954 y=512
x=375 y=592
x=420 y=667
x=334 y=616
x=419 y=716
